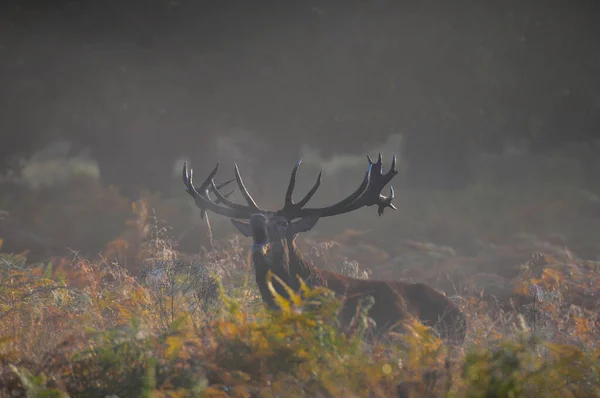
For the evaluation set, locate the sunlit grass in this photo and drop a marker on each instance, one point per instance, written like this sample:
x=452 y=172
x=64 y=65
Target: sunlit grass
x=144 y=319
x=87 y=328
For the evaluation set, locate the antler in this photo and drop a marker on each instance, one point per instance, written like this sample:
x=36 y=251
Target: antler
x=367 y=194
x=203 y=200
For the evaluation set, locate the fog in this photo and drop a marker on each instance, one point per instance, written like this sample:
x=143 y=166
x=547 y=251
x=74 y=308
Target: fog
x=468 y=95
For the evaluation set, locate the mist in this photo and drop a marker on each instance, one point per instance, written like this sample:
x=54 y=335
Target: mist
x=488 y=107
x=110 y=274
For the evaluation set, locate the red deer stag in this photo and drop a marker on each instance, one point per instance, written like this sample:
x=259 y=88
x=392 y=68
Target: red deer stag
x=274 y=233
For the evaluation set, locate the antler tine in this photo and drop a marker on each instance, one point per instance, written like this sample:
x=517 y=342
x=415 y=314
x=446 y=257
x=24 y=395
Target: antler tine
x=224 y=199
x=188 y=175
x=362 y=188
x=223 y=184
x=312 y=191
x=244 y=191
x=292 y=184
x=379 y=161
x=289 y=203
x=225 y=195
x=216 y=187
x=202 y=198
x=386 y=202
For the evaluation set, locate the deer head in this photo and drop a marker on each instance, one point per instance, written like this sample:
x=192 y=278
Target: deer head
x=273 y=227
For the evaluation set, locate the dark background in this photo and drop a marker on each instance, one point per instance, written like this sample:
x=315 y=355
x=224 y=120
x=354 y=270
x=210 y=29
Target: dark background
x=140 y=83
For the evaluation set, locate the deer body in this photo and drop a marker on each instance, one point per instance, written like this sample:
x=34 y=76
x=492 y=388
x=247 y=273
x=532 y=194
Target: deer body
x=395 y=301
x=273 y=249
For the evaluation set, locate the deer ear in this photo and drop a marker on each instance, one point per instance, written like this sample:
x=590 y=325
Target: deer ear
x=304 y=224
x=243 y=227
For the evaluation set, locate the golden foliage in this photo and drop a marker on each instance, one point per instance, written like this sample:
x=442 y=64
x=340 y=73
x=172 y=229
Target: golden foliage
x=88 y=328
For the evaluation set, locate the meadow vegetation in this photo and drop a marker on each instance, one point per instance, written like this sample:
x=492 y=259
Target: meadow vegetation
x=149 y=317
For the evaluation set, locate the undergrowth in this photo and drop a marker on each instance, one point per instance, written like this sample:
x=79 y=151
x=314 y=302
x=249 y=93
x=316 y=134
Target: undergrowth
x=143 y=319
x=77 y=327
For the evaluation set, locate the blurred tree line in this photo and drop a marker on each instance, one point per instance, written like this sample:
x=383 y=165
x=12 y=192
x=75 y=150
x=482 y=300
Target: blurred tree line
x=143 y=82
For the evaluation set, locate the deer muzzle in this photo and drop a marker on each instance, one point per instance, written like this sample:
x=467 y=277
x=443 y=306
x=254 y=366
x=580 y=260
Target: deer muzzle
x=259 y=223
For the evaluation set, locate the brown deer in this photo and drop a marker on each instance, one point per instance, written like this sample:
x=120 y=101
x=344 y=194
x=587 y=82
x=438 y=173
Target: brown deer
x=274 y=249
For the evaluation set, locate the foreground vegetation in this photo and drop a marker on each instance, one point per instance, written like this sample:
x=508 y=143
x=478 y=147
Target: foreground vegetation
x=146 y=319
x=196 y=327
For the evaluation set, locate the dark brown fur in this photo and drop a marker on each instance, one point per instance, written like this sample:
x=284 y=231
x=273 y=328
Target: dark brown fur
x=395 y=301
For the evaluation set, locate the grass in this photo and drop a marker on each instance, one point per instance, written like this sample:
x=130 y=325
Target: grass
x=88 y=328
x=145 y=318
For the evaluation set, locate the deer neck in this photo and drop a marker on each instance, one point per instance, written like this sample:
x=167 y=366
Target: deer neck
x=300 y=267
x=270 y=257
